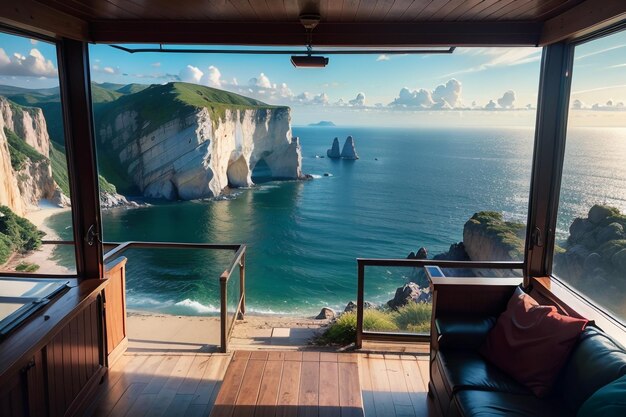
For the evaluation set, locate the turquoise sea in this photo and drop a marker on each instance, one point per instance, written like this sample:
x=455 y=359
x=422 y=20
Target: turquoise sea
x=410 y=188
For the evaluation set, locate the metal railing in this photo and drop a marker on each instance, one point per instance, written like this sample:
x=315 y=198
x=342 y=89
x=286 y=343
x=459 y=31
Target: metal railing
x=239 y=260
x=362 y=263
x=227 y=322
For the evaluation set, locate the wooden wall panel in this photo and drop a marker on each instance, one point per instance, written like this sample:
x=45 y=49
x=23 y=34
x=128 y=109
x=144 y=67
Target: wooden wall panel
x=115 y=308
x=72 y=359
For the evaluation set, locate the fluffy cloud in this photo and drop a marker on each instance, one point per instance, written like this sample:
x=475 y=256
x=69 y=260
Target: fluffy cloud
x=507 y=100
x=190 y=74
x=321 y=99
x=444 y=96
x=383 y=57
x=358 y=101
x=578 y=104
x=110 y=70
x=212 y=77
x=491 y=105
x=262 y=81
x=609 y=106
x=32 y=65
x=449 y=93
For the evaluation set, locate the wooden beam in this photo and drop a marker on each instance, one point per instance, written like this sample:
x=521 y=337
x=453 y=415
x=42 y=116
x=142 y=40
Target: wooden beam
x=81 y=157
x=587 y=17
x=326 y=34
x=35 y=17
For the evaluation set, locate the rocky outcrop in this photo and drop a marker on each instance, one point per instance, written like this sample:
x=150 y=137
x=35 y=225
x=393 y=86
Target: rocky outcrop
x=326 y=314
x=595 y=252
x=409 y=293
x=333 y=152
x=349 y=151
x=112 y=200
x=488 y=237
x=352 y=306
x=200 y=154
x=21 y=187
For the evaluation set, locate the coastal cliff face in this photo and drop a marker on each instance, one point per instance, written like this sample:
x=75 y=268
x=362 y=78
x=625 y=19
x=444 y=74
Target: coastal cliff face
x=202 y=151
x=488 y=237
x=25 y=171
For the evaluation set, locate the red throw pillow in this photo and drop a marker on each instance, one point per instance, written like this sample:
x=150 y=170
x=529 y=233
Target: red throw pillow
x=531 y=342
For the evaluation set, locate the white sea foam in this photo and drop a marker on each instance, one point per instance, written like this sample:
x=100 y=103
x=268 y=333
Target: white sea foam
x=316 y=176
x=188 y=306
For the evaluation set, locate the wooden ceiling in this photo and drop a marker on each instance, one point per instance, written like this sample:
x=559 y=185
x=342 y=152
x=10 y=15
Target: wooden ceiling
x=343 y=22
x=330 y=10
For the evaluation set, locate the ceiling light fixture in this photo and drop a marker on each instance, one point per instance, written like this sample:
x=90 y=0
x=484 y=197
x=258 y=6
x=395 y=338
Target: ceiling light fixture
x=310 y=22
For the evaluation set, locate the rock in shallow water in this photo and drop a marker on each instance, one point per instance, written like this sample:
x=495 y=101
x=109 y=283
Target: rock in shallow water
x=326 y=314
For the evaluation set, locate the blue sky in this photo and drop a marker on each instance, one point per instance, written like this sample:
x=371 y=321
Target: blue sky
x=481 y=85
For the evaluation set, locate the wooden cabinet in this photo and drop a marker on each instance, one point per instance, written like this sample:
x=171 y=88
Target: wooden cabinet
x=57 y=374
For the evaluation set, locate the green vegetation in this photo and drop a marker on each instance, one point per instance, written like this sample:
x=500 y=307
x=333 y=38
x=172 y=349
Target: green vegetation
x=159 y=104
x=26 y=267
x=413 y=317
x=102 y=95
x=509 y=234
x=17 y=234
x=20 y=151
x=130 y=88
x=59 y=168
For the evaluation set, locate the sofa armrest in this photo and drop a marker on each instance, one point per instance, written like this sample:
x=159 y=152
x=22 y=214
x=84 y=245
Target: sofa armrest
x=462 y=332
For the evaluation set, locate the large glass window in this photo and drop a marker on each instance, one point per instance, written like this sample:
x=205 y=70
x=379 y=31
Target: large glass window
x=590 y=254
x=34 y=185
x=202 y=148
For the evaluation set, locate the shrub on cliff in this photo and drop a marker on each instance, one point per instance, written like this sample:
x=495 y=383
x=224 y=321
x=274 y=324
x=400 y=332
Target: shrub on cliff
x=16 y=234
x=490 y=224
x=414 y=316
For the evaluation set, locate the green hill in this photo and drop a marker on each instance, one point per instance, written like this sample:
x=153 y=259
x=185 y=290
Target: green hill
x=132 y=88
x=158 y=104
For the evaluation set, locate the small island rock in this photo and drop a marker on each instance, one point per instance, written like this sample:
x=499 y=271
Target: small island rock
x=334 y=151
x=325 y=314
x=351 y=306
x=348 y=151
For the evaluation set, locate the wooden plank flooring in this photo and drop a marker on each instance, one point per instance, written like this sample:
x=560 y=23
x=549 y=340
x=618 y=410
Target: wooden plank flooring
x=161 y=385
x=299 y=384
x=266 y=384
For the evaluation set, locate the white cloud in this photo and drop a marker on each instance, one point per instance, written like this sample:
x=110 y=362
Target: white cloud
x=450 y=93
x=156 y=64
x=109 y=70
x=32 y=65
x=444 y=96
x=499 y=57
x=34 y=41
x=262 y=81
x=383 y=57
x=617 y=66
x=507 y=100
x=490 y=106
x=321 y=99
x=190 y=74
x=612 y=48
x=578 y=104
x=358 y=101
x=212 y=77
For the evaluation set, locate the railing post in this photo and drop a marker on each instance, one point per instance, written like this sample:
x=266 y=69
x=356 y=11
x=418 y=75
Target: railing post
x=359 y=305
x=223 y=313
x=242 y=285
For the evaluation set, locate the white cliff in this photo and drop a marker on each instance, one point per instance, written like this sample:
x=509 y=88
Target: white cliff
x=333 y=152
x=22 y=188
x=349 y=151
x=199 y=154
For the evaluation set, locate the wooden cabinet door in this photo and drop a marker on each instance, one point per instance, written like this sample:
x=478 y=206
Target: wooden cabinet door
x=22 y=394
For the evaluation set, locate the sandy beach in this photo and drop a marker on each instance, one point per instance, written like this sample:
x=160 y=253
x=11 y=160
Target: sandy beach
x=43 y=255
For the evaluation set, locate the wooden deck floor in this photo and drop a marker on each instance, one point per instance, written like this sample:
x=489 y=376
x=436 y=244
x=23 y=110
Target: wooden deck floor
x=261 y=383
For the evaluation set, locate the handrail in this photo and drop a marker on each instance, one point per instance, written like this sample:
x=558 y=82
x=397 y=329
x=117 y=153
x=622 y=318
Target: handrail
x=238 y=260
x=411 y=263
x=226 y=330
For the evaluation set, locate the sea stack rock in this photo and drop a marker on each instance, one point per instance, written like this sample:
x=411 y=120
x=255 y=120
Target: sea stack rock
x=348 y=151
x=334 y=151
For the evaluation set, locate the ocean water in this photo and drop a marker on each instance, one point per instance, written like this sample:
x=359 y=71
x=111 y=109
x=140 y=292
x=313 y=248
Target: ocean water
x=410 y=188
